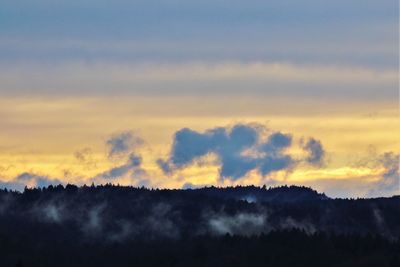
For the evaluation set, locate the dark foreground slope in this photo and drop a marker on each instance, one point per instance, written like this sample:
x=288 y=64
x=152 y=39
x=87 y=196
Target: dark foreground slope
x=244 y=226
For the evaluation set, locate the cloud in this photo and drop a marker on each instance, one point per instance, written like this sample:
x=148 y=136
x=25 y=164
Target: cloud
x=85 y=158
x=34 y=180
x=274 y=159
x=189 y=144
x=276 y=142
x=132 y=165
x=316 y=153
x=213 y=79
x=386 y=173
x=206 y=30
x=236 y=150
x=164 y=165
x=29 y=180
x=122 y=143
x=239 y=149
x=389 y=182
x=228 y=144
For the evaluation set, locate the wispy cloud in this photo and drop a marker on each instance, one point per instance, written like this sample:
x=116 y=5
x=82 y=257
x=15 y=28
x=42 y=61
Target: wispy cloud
x=122 y=143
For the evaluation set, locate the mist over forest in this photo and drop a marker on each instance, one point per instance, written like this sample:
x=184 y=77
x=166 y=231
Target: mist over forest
x=123 y=226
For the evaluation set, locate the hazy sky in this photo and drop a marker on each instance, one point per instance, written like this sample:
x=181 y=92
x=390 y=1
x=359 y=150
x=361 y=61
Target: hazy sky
x=191 y=93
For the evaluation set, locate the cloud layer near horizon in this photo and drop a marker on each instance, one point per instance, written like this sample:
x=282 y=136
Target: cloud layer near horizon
x=240 y=150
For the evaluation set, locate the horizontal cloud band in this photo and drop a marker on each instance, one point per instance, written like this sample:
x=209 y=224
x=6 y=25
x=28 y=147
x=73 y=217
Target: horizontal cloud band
x=260 y=78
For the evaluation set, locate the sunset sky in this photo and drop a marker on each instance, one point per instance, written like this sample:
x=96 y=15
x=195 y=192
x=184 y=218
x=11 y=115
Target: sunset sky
x=178 y=94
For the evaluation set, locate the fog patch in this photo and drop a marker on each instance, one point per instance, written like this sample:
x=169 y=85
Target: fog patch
x=93 y=224
x=53 y=213
x=160 y=222
x=381 y=223
x=245 y=224
x=126 y=230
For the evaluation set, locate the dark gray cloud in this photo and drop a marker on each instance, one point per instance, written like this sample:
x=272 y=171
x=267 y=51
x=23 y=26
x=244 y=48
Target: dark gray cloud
x=276 y=142
x=316 y=153
x=274 y=159
x=133 y=164
x=122 y=143
x=125 y=145
x=164 y=165
x=228 y=144
x=189 y=144
x=240 y=149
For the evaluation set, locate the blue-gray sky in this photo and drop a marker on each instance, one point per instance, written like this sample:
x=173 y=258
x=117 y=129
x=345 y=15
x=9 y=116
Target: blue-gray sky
x=78 y=77
x=358 y=32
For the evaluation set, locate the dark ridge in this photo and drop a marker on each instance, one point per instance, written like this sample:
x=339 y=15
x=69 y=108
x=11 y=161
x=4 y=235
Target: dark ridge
x=236 y=226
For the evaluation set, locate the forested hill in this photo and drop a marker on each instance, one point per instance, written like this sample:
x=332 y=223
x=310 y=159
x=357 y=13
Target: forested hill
x=110 y=212
x=70 y=220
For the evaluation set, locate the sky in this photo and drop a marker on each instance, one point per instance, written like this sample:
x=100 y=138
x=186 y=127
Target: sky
x=183 y=94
